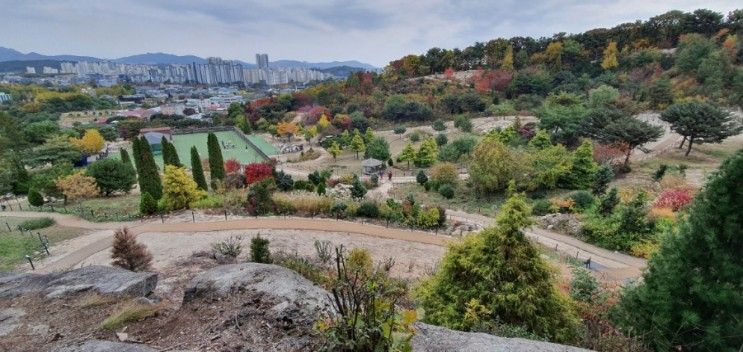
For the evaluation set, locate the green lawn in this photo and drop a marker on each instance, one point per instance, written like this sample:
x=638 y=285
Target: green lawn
x=14 y=246
x=115 y=208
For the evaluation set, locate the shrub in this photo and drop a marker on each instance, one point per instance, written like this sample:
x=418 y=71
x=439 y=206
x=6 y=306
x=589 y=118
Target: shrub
x=609 y=202
x=323 y=249
x=259 y=252
x=444 y=173
x=179 y=189
x=256 y=172
x=368 y=209
x=231 y=247
x=674 y=198
x=147 y=204
x=660 y=172
x=35 y=198
x=374 y=180
x=415 y=136
x=447 y=191
x=128 y=254
x=463 y=123
x=211 y=201
x=583 y=286
x=505 y=108
x=582 y=199
x=541 y=207
x=562 y=205
x=35 y=224
x=428 y=218
x=421 y=178
x=439 y=125
x=78 y=186
x=304 y=185
x=358 y=191
x=232 y=166
x=441 y=139
x=112 y=175
x=399 y=129
x=259 y=200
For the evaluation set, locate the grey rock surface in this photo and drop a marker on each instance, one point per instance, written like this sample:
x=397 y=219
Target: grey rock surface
x=102 y=279
x=106 y=346
x=10 y=319
x=430 y=338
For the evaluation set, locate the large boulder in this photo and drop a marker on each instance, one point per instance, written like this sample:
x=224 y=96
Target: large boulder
x=430 y=338
x=106 y=346
x=100 y=279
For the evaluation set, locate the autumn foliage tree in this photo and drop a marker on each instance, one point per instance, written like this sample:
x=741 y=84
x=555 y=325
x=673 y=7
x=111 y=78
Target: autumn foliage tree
x=610 y=56
x=90 y=143
x=257 y=172
x=128 y=254
x=287 y=129
x=232 y=166
x=77 y=186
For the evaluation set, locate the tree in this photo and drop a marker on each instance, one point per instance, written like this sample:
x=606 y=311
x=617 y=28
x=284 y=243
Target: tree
x=407 y=154
x=259 y=250
x=257 y=172
x=78 y=186
x=216 y=162
x=427 y=153
x=614 y=126
x=334 y=150
x=358 y=191
x=541 y=140
x=170 y=155
x=147 y=204
x=357 y=143
x=149 y=177
x=287 y=129
x=604 y=175
x=323 y=122
x=498 y=277
x=35 y=198
x=378 y=148
x=179 y=189
x=441 y=140
x=610 y=56
x=112 y=175
x=125 y=158
x=54 y=151
x=583 y=169
x=91 y=142
x=701 y=123
x=128 y=254
x=660 y=94
x=507 y=63
x=609 y=202
x=197 y=170
x=492 y=165
x=689 y=298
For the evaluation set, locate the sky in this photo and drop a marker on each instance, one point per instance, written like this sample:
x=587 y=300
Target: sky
x=374 y=32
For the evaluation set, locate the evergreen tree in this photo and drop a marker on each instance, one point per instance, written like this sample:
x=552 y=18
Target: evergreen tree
x=358 y=191
x=125 y=157
x=216 y=162
x=427 y=153
x=604 y=175
x=609 y=202
x=149 y=177
x=690 y=298
x=541 y=140
x=170 y=155
x=112 y=175
x=583 y=170
x=137 y=153
x=334 y=149
x=497 y=277
x=197 y=170
x=147 y=204
x=35 y=198
x=407 y=154
x=701 y=123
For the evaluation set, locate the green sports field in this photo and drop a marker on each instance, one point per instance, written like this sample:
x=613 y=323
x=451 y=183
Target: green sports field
x=233 y=147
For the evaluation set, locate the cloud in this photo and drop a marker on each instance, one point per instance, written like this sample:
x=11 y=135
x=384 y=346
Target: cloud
x=321 y=30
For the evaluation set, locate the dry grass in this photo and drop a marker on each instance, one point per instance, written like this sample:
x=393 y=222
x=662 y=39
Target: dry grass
x=130 y=312
x=96 y=300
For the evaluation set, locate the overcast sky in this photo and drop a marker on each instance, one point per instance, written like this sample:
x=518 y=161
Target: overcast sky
x=318 y=30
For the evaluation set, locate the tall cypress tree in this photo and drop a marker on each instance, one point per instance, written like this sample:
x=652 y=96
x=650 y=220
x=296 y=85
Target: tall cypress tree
x=137 y=152
x=216 y=162
x=165 y=147
x=149 y=177
x=690 y=298
x=125 y=157
x=196 y=170
x=174 y=159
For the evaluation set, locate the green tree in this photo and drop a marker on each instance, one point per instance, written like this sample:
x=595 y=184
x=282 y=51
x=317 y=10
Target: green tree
x=689 y=298
x=56 y=150
x=541 y=140
x=441 y=140
x=604 y=175
x=499 y=272
x=614 y=126
x=421 y=178
x=216 y=162
x=147 y=204
x=427 y=153
x=660 y=94
x=407 y=154
x=259 y=250
x=125 y=158
x=358 y=191
x=357 y=143
x=583 y=169
x=35 y=198
x=149 y=177
x=492 y=165
x=334 y=149
x=701 y=123
x=609 y=202
x=112 y=175
x=170 y=155
x=197 y=170
x=378 y=148
x=563 y=115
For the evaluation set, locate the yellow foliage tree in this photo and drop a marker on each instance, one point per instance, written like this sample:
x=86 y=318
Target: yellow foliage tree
x=90 y=143
x=610 y=56
x=507 y=63
x=179 y=188
x=323 y=122
x=553 y=53
x=287 y=129
x=77 y=186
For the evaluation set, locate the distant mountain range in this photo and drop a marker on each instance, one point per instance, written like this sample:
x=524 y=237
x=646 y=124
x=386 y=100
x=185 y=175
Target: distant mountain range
x=7 y=54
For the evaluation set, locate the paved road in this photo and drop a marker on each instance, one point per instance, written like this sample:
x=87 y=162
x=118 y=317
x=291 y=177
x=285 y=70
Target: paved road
x=615 y=266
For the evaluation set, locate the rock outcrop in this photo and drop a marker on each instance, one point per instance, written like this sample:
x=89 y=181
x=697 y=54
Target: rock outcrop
x=106 y=346
x=100 y=279
x=430 y=338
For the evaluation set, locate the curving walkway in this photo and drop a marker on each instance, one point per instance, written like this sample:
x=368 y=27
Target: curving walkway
x=615 y=266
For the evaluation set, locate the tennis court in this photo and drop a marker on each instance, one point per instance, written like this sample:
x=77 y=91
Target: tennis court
x=233 y=147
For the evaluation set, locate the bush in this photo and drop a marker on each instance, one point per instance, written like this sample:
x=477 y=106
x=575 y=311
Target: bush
x=304 y=185
x=147 y=204
x=674 y=198
x=505 y=108
x=463 y=123
x=128 y=254
x=541 y=207
x=231 y=247
x=421 y=178
x=444 y=173
x=35 y=224
x=660 y=172
x=209 y=202
x=304 y=203
x=399 y=129
x=259 y=252
x=35 y=198
x=179 y=189
x=441 y=139
x=438 y=125
x=584 y=286
x=582 y=199
x=447 y=191
x=368 y=209
x=415 y=136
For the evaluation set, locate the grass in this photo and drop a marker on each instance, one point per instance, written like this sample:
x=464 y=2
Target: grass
x=35 y=224
x=14 y=246
x=130 y=312
x=96 y=300
x=115 y=208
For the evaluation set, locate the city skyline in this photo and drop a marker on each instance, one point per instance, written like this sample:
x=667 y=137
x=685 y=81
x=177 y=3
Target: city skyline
x=322 y=31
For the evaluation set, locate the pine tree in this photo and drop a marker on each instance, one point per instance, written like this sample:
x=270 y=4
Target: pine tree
x=216 y=162
x=604 y=175
x=170 y=155
x=175 y=160
x=128 y=254
x=690 y=297
x=541 y=140
x=149 y=177
x=197 y=170
x=583 y=170
x=137 y=153
x=147 y=204
x=609 y=202
x=498 y=277
x=701 y=123
x=610 y=56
